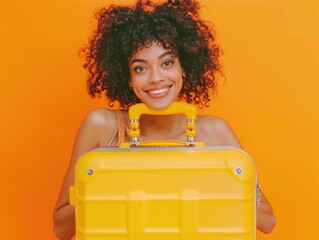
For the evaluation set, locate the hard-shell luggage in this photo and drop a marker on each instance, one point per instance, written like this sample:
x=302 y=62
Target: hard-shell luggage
x=178 y=191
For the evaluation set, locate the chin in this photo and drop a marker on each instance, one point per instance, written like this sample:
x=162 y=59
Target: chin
x=159 y=105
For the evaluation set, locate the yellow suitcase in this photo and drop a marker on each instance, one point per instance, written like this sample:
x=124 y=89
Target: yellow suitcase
x=189 y=192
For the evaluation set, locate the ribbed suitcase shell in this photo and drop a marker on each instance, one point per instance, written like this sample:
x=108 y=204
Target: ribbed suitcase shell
x=181 y=193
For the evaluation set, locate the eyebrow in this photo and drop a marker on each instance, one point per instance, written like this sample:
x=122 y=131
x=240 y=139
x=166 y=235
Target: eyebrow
x=159 y=57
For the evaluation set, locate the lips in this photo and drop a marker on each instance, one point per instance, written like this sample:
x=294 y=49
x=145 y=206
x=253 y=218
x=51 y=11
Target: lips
x=158 y=92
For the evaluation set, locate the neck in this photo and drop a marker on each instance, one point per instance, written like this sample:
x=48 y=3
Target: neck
x=162 y=127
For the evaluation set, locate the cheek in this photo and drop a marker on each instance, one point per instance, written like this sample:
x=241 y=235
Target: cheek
x=136 y=85
x=179 y=79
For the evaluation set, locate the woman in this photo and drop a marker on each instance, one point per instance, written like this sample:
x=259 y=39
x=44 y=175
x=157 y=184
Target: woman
x=155 y=54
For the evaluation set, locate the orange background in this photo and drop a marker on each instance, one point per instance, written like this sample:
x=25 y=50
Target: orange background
x=270 y=98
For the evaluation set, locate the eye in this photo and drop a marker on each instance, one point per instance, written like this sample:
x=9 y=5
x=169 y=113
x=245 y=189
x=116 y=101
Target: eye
x=168 y=63
x=139 y=69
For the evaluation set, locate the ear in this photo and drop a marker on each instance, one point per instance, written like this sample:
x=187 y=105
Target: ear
x=183 y=73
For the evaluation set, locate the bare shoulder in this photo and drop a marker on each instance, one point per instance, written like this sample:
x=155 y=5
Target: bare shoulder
x=100 y=117
x=101 y=123
x=215 y=131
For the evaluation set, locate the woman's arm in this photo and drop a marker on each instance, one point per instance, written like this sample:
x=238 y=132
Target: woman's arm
x=215 y=131
x=97 y=127
x=265 y=217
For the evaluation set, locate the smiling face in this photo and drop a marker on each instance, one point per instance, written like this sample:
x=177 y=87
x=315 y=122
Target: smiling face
x=156 y=76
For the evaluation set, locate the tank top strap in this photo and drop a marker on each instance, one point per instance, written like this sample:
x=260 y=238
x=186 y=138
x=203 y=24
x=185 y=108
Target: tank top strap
x=120 y=129
x=120 y=126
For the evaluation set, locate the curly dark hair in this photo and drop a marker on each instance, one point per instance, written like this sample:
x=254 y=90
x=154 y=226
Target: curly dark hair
x=122 y=31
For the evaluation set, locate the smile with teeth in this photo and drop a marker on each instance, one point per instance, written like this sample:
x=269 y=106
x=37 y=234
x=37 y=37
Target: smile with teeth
x=158 y=91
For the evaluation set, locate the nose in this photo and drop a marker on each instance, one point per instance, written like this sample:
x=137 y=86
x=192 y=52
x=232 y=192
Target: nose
x=156 y=75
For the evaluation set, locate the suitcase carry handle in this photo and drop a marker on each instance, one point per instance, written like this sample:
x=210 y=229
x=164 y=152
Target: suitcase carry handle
x=188 y=110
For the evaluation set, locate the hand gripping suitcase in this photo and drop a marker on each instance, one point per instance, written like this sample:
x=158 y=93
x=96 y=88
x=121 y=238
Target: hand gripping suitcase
x=165 y=190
